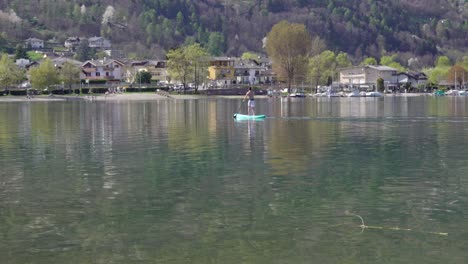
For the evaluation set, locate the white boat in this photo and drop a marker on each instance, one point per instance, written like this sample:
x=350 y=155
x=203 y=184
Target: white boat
x=452 y=92
x=355 y=93
x=333 y=95
x=374 y=94
x=297 y=94
x=456 y=93
x=320 y=94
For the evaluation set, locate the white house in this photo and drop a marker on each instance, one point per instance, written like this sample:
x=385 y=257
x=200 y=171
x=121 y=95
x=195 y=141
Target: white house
x=99 y=42
x=247 y=72
x=367 y=75
x=34 y=43
x=413 y=78
x=105 y=69
x=22 y=63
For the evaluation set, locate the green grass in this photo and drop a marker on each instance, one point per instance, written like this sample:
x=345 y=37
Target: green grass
x=33 y=56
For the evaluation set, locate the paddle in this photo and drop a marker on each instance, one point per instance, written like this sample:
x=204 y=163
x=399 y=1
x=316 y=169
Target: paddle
x=235 y=114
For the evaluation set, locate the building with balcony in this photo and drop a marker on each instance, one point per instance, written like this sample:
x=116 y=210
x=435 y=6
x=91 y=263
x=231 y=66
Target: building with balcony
x=247 y=72
x=105 y=69
x=221 y=70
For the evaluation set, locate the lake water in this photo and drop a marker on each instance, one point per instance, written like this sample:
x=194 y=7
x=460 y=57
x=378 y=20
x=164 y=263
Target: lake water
x=340 y=180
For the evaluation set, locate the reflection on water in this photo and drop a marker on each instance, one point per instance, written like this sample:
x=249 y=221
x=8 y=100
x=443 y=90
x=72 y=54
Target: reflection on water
x=180 y=181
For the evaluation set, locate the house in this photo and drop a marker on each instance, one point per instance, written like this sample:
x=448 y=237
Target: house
x=73 y=42
x=157 y=69
x=34 y=43
x=221 y=70
x=60 y=61
x=22 y=63
x=366 y=76
x=268 y=77
x=413 y=78
x=99 y=43
x=247 y=72
x=105 y=69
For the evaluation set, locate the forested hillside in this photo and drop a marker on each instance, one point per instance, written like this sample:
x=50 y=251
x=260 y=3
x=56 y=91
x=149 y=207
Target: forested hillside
x=411 y=28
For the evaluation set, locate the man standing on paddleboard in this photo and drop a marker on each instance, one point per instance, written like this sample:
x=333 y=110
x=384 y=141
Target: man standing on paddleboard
x=251 y=102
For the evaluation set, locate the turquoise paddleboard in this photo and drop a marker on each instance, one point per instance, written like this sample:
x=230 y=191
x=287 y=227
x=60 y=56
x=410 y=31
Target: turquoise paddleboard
x=240 y=116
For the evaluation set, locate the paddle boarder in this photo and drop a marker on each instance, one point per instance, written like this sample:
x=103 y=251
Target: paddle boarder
x=251 y=102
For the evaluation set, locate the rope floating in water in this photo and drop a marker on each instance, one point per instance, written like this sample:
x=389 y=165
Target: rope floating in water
x=364 y=226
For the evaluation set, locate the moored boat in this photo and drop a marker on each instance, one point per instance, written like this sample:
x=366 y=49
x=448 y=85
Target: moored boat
x=374 y=94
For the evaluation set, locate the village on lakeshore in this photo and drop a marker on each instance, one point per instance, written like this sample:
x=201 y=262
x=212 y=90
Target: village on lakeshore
x=50 y=68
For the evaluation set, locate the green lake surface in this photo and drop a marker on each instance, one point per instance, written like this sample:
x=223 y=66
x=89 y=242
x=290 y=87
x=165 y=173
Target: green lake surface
x=180 y=181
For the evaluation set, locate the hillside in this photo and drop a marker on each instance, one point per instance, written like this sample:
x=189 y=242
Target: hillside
x=361 y=28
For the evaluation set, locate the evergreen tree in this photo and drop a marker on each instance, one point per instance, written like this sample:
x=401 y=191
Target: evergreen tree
x=216 y=44
x=20 y=52
x=83 y=51
x=380 y=85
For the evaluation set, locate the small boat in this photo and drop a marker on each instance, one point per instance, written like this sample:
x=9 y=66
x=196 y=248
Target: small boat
x=355 y=93
x=439 y=93
x=243 y=117
x=452 y=92
x=374 y=94
x=298 y=94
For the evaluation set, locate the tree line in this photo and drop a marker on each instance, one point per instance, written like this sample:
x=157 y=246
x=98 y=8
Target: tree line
x=296 y=56
x=410 y=29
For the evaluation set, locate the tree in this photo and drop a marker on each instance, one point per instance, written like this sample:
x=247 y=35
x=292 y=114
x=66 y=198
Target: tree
x=20 y=52
x=321 y=67
x=457 y=74
x=143 y=77
x=180 y=25
x=44 y=75
x=342 y=60
x=369 y=61
x=288 y=46
x=69 y=74
x=249 y=56
x=436 y=74
x=464 y=62
x=83 y=51
x=440 y=71
x=390 y=62
x=318 y=46
x=380 y=84
x=187 y=64
x=443 y=61
x=10 y=73
x=216 y=44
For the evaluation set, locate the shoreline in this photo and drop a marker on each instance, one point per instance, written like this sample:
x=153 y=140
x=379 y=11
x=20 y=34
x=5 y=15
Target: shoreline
x=144 y=97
